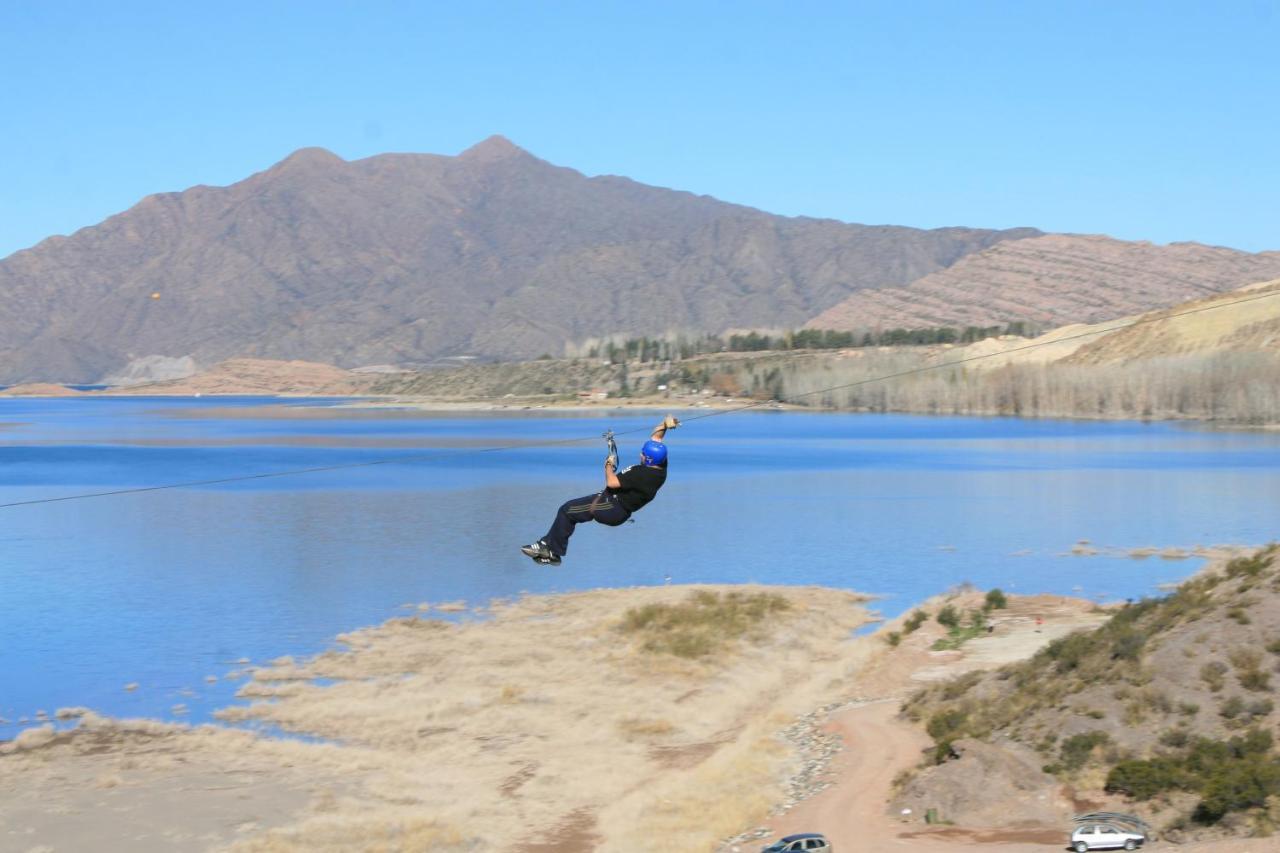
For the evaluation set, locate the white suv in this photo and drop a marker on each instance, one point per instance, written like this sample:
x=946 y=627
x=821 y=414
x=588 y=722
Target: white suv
x=1104 y=836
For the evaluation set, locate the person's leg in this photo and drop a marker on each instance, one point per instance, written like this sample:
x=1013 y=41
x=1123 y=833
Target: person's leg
x=609 y=512
x=570 y=514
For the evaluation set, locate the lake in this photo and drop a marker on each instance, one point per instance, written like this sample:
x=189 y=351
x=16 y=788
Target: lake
x=165 y=588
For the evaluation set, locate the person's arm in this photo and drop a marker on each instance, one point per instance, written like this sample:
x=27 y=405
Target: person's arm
x=610 y=478
x=660 y=431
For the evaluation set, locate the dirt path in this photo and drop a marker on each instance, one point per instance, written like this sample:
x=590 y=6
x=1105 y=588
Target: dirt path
x=852 y=813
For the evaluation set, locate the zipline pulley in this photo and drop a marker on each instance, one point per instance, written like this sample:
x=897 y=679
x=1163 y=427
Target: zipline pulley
x=613 y=448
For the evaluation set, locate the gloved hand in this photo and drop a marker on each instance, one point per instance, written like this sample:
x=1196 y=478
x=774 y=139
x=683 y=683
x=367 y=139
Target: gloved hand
x=670 y=422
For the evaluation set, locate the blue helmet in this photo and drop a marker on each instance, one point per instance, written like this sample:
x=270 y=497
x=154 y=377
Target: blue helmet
x=653 y=453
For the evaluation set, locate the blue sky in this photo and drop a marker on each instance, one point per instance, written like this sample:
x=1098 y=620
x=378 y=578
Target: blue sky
x=1143 y=120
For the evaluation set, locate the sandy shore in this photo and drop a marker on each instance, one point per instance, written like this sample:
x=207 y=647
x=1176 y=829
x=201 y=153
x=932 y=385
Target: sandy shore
x=536 y=725
x=389 y=408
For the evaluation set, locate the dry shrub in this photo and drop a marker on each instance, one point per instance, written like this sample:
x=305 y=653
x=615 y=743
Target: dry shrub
x=30 y=739
x=634 y=727
x=704 y=623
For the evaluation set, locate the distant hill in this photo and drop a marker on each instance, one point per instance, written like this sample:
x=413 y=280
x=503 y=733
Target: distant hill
x=1053 y=280
x=405 y=258
x=1244 y=320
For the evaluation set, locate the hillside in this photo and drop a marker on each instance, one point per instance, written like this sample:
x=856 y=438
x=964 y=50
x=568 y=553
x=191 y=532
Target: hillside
x=1245 y=320
x=1054 y=280
x=1167 y=709
x=404 y=258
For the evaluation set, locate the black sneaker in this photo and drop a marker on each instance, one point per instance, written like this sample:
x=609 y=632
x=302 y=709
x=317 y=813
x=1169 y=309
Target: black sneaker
x=540 y=553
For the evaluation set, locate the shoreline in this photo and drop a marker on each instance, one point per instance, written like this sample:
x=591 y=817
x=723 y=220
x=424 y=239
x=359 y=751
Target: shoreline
x=294 y=406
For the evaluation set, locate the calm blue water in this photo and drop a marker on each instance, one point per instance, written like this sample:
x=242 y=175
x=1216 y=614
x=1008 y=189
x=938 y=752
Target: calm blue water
x=164 y=588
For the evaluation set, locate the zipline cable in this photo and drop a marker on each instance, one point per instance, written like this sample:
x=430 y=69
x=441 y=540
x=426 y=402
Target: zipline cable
x=565 y=441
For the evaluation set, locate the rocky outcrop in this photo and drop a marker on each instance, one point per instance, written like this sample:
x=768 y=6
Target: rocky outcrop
x=983 y=784
x=153 y=368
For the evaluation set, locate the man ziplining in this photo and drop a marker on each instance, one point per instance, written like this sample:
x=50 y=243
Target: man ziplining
x=624 y=493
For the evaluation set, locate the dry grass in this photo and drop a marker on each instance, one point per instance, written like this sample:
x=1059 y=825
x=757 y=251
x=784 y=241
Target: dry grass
x=705 y=623
x=637 y=729
x=486 y=734
x=387 y=832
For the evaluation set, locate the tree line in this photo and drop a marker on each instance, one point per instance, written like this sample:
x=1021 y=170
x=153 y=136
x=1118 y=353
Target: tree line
x=680 y=347
x=1239 y=387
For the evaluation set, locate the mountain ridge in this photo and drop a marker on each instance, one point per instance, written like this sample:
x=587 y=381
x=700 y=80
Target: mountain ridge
x=405 y=258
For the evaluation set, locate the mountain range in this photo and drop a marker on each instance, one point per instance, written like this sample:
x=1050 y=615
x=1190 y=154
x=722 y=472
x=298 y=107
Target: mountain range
x=407 y=259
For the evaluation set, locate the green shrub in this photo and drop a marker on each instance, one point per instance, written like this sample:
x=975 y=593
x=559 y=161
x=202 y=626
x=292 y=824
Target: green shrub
x=914 y=621
x=959 y=635
x=1236 y=787
x=1242 y=658
x=1213 y=674
x=1255 y=680
x=1128 y=645
x=1075 y=750
x=945 y=725
x=1070 y=651
x=1143 y=779
x=893 y=638
x=996 y=600
x=960 y=685
x=1251 y=566
x=948 y=617
x=1230 y=775
x=1239 y=615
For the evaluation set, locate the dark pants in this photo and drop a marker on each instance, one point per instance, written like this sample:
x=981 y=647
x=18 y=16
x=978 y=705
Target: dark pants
x=602 y=507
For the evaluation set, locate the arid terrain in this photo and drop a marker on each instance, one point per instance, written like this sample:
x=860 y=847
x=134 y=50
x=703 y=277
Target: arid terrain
x=689 y=718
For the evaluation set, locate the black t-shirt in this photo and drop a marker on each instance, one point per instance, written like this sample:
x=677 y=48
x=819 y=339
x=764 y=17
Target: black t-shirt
x=639 y=485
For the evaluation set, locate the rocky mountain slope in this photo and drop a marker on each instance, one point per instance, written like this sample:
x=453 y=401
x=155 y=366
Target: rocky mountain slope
x=1053 y=280
x=403 y=258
